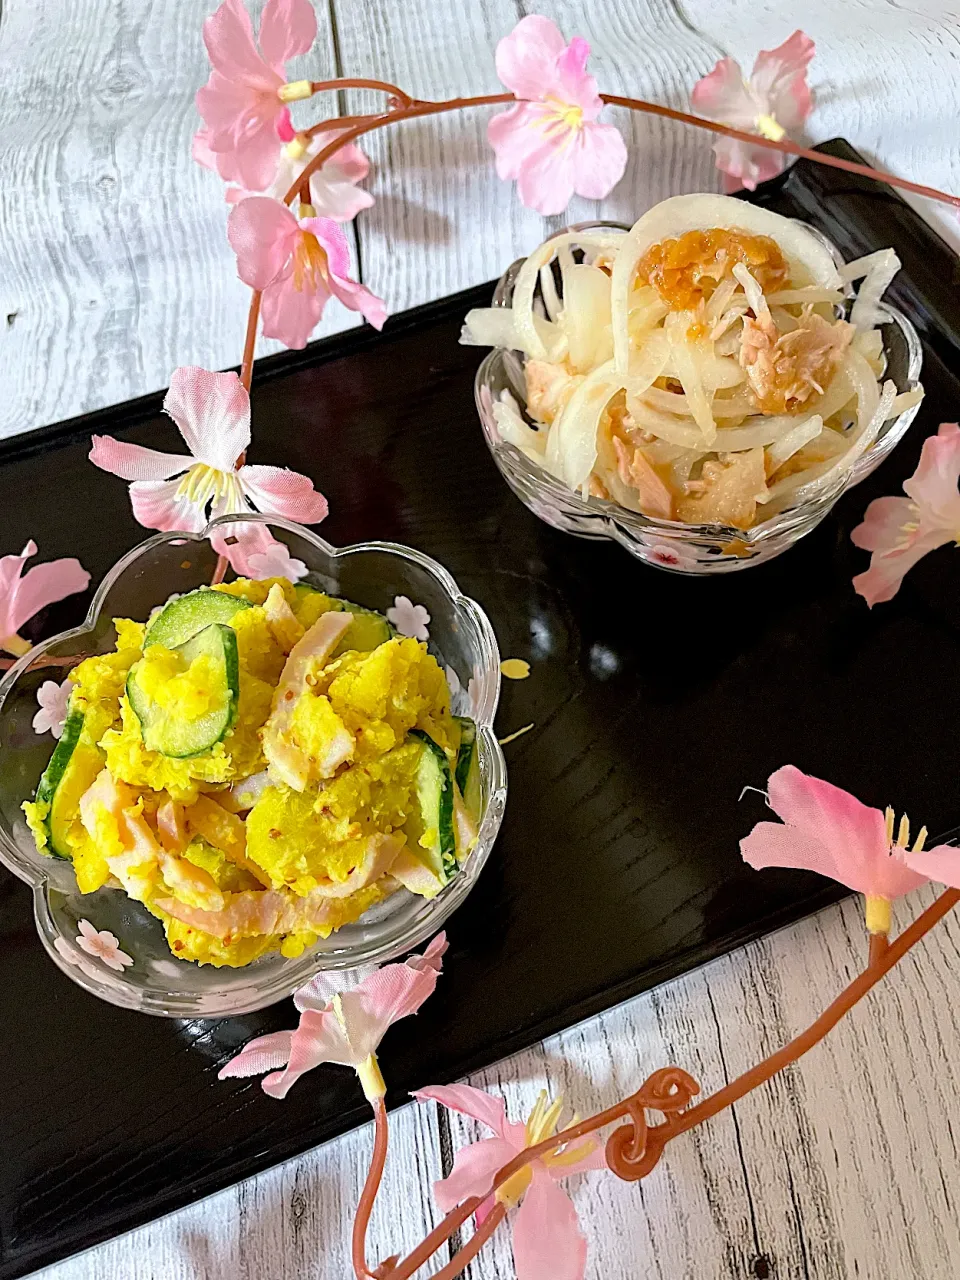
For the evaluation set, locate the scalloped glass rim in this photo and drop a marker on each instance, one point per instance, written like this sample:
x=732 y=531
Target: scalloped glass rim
x=637 y=533
x=41 y=872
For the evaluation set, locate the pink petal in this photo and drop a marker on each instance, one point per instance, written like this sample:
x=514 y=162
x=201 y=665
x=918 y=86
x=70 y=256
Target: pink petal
x=396 y=991
x=594 y=1158
x=934 y=484
x=42 y=585
x=340 y=201
x=317 y=1039
x=212 y=411
x=432 y=957
x=156 y=506
x=11 y=567
x=475 y=1103
x=515 y=135
x=882 y=580
x=572 y=84
x=349 y=164
x=228 y=35
x=333 y=240
x=882 y=527
x=827 y=831
x=942 y=864
x=779 y=79
x=279 y=492
x=722 y=95
x=527 y=57
x=242 y=544
x=254 y=161
x=547 y=1241
x=287 y=29
x=746 y=165
x=474 y=1169
x=357 y=297
x=601 y=157
x=201 y=151
x=546 y=182
x=263 y=1054
x=262 y=233
x=133 y=461
x=290 y=314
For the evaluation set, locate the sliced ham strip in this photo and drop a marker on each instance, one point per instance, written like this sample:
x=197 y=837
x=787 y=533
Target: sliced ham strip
x=258 y=913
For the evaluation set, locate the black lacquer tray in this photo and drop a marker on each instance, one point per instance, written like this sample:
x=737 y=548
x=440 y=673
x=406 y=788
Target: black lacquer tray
x=654 y=698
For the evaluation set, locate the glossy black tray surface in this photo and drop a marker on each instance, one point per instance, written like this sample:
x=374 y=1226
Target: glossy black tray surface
x=654 y=700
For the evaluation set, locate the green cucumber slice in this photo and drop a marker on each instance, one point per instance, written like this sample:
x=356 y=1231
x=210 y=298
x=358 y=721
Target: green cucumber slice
x=366 y=632
x=172 y=734
x=183 y=618
x=467 y=771
x=435 y=816
x=72 y=769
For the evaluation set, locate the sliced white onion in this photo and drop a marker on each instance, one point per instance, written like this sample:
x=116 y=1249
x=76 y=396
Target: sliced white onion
x=719 y=301
x=812 y=293
x=525 y=285
x=496 y=327
x=877 y=270
x=548 y=291
x=687 y=435
x=739 y=405
x=586 y=316
x=751 y=287
x=783 y=449
x=809 y=260
x=685 y=362
x=514 y=429
x=906 y=400
x=573 y=439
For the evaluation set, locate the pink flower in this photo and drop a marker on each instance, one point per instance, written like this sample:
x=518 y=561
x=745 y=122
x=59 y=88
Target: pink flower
x=245 y=116
x=345 y=1027
x=829 y=831
x=668 y=556
x=774 y=101
x=103 y=946
x=547 y=1241
x=53 y=700
x=212 y=411
x=900 y=531
x=550 y=141
x=333 y=190
x=298 y=264
x=24 y=594
x=276 y=562
x=409 y=619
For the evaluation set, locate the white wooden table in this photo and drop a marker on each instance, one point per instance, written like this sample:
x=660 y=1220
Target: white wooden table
x=114 y=269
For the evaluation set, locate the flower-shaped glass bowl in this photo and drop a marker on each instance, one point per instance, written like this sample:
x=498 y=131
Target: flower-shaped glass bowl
x=672 y=544
x=370 y=574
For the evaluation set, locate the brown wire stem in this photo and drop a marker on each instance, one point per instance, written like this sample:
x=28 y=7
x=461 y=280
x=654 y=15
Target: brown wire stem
x=359 y=82
x=369 y=1194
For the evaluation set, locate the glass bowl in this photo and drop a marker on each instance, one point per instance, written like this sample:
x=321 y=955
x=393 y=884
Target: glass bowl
x=672 y=544
x=371 y=574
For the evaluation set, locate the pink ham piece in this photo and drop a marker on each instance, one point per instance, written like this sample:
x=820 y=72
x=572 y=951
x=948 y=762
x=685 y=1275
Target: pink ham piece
x=259 y=913
x=285 y=761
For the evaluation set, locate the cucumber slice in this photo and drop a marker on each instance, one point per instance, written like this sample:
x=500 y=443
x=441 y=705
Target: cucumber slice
x=72 y=769
x=171 y=733
x=182 y=619
x=434 y=821
x=467 y=772
x=366 y=632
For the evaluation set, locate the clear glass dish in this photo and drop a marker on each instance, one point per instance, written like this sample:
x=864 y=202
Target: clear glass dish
x=672 y=544
x=371 y=574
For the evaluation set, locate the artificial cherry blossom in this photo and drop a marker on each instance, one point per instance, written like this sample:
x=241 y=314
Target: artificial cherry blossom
x=333 y=190
x=547 y=1241
x=901 y=531
x=827 y=830
x=345 y=1027
x=550 y=142
x=53 y=700
x=103 y=945
x=24 y=594
x=775 y=101
x=409 y=619
x=298 y=264
x=246 y=119
x=212 y=411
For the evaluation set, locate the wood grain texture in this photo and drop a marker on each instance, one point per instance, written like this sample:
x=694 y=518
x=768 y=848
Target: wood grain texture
x=115 y=269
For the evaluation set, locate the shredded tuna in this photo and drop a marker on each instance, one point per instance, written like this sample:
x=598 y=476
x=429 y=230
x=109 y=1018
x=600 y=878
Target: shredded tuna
x=785 y=369
x=635 y=470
